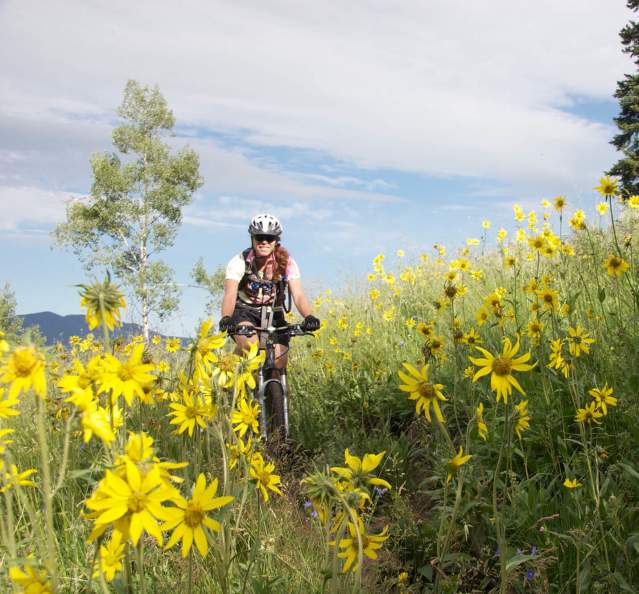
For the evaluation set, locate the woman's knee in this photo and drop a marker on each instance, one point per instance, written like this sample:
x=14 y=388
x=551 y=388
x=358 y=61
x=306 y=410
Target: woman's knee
x=281 y=356
x=243 y=343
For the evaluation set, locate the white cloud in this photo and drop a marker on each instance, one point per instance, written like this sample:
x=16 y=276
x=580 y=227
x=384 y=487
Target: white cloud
x=232 y=171
x=24 y=210
x=229 y=212
x=443 y=87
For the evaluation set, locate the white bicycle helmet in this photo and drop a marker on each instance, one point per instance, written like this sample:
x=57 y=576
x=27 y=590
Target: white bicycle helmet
x=265 y=224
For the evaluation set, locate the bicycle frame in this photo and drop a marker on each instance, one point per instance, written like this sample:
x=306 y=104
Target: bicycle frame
x=267 y=344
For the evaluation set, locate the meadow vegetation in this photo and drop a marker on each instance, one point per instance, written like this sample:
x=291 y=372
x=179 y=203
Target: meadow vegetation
x=465 y=424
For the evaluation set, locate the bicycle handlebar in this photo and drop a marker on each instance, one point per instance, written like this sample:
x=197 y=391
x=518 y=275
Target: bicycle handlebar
x=291 y=330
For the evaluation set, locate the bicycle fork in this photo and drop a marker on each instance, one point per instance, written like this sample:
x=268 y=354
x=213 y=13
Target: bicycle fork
x=262 y=382
x=284 y=400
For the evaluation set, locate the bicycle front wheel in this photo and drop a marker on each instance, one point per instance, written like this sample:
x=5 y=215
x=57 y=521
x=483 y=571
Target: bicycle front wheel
x=275 y=419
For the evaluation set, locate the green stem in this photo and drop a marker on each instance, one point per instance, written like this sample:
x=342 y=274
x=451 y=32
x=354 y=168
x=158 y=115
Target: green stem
x=127 y=570
x=140 y=561
x=91 y=567
x=65 y=454
x=499 y=527
x=8 y=530
x=105 y=329
x=190 y=590
x=47 y=494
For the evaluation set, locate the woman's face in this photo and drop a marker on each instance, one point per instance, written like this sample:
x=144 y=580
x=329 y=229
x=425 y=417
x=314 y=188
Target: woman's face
x=263 y=245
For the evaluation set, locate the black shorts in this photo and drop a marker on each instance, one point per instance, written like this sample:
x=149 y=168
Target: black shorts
x=254 y=316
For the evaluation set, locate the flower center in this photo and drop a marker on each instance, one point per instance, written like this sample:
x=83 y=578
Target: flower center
x=111 y=560
x=502 y=366
x=190 y=412
x=264 y=477
x=193 y=515
x=615 y=262
x=84 y=381
x=124 y=373
x=227 y=364
x=548 y=298
x=426 y=390
x=451 y=291
x=137 y=501
x=24 y=362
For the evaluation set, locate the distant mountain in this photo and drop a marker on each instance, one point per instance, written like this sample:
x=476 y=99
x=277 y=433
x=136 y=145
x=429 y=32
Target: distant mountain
x=56 y=328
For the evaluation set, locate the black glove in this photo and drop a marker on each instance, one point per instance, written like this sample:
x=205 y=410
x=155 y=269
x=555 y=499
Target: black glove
x=310 y=324
x=226 y=324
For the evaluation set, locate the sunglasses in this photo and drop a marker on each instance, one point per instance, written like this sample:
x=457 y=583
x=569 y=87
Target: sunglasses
x=267 y=238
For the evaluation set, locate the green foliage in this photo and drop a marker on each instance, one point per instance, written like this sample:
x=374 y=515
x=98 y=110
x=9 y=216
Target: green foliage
x=627 y=140
x=10 y=323
x=135 y=207
x=213 y=283
x=345 y=394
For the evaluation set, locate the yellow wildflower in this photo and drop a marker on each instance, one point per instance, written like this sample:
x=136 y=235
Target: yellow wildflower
x=421 y=390
x=603 y=397
x=137 y=499
x=456 y=462
x=31 y=580
x=501 y=369
x=607 y=186
x=189 y=517
x=103 y=302
x=172 y=345
x=24 y=369
x=358 y=471
x=263 y=476
x=246 y=417
x=482 y=428
x=572 y=484
x=370 y=544
x=578 y=341
x=590 y=413
x=111 y=557
x=523 y=418
x=126 y=379
x=193 y=412
x=616 y=266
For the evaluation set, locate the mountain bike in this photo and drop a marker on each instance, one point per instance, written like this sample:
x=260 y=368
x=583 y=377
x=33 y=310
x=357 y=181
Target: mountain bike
x=271 y=388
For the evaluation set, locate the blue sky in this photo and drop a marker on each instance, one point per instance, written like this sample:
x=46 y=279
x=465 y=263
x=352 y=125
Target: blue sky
x=366 y=128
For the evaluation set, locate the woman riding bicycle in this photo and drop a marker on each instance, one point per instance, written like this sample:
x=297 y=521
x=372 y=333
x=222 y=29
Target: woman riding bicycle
x=257 y=280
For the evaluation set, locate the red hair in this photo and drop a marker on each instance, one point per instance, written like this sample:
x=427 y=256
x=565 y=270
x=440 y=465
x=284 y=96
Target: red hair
x=281 y=259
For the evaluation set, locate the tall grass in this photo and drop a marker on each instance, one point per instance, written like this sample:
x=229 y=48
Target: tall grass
x=504 y=521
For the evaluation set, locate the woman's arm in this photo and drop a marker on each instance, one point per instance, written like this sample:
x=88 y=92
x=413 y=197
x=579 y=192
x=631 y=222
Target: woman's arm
x=230 y=297
x=299 y=298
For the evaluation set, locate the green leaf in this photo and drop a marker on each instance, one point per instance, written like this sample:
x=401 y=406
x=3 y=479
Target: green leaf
x=629 y=470
x=622 y=583
x=601 y=294
x=633 y=541
x=517 y=560
x=427 y=572
x=584 y=577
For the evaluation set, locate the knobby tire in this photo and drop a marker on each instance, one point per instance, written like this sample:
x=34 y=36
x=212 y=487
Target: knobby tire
x=274 y=401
